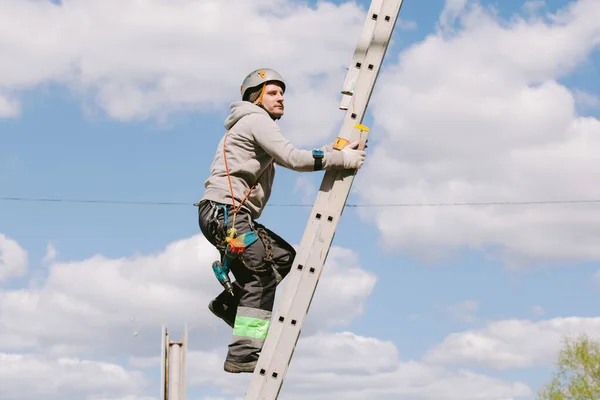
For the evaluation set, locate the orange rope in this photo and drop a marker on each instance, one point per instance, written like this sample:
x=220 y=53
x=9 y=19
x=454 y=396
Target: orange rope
x=235 y=209
x=227 y=169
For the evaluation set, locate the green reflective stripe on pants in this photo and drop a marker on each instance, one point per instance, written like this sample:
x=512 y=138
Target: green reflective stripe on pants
x=251 y=327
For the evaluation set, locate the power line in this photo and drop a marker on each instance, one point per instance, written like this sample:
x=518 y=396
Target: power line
x=171 y=203
x=93 y=201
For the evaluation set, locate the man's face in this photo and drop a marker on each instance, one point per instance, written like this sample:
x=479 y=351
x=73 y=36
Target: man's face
x=273 y=99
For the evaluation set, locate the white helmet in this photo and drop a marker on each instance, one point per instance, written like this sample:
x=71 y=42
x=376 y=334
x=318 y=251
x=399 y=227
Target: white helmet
x=260 y=77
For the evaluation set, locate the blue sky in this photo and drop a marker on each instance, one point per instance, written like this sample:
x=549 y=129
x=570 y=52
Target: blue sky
x=67 y=145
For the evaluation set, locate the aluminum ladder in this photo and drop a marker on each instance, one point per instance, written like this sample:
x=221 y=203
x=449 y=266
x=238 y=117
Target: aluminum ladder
x=287 y=321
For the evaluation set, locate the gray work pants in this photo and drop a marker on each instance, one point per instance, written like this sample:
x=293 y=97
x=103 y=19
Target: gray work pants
x=257 y=271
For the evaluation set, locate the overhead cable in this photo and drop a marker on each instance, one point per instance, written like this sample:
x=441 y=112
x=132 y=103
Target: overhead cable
x=426 y=204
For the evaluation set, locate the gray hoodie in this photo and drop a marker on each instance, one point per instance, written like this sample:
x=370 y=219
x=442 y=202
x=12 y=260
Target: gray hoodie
x=254 y=144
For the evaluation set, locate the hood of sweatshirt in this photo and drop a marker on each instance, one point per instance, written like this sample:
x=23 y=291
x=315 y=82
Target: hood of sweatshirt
x=240 y=109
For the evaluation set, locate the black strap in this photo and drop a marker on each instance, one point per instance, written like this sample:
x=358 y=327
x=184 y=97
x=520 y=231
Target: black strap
x=318 y=156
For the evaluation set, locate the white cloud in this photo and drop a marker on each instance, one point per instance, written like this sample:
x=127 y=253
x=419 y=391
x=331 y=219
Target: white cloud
x=144 y=362
x=406 y=25
x=343 y=288
x=349 y=366
x=9 y=108
x=126 y=300
x=511 y=343
x=464 y=311
x=179 y=57
x=533 y=6
x=479 y=116
x=537 y=310
x=94 y=305
x=29 y=377
x=13 y=259
x=586 y=99
x=83 y=300
x=451 y=11
x=51 y=253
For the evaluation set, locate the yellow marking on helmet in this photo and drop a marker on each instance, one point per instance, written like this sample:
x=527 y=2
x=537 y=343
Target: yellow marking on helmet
x=262 y=74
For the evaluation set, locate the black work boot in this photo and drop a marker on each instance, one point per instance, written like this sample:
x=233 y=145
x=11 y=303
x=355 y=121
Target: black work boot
x=222 y=311
x=237 y=367
x=224 y=306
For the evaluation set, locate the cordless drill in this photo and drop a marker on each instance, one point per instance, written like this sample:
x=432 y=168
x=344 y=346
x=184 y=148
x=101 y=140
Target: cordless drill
x=222 y=274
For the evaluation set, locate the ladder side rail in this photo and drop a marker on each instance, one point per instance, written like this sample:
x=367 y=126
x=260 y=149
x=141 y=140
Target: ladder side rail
x=360 y=52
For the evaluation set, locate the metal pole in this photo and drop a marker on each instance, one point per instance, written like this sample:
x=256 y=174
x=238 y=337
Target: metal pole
x=184 y=344
x=164 y=359
x=174 y=372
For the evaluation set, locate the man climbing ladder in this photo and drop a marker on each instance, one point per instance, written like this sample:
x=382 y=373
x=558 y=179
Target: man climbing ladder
x=307 y=266
x=237 y=190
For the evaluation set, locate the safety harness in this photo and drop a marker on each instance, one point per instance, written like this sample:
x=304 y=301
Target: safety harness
x=235 y=245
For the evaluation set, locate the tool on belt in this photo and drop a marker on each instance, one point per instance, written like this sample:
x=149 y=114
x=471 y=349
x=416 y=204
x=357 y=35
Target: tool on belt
x=235 y=246
x=222 y=274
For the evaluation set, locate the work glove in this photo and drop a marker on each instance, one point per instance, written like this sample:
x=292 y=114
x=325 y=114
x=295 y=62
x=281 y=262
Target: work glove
x=353 y=158
x=327 y=147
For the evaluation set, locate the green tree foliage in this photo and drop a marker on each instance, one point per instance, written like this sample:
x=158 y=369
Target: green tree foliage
x=578 y=371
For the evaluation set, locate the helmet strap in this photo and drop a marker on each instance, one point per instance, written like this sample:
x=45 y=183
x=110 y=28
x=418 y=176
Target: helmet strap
x=262 y=92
